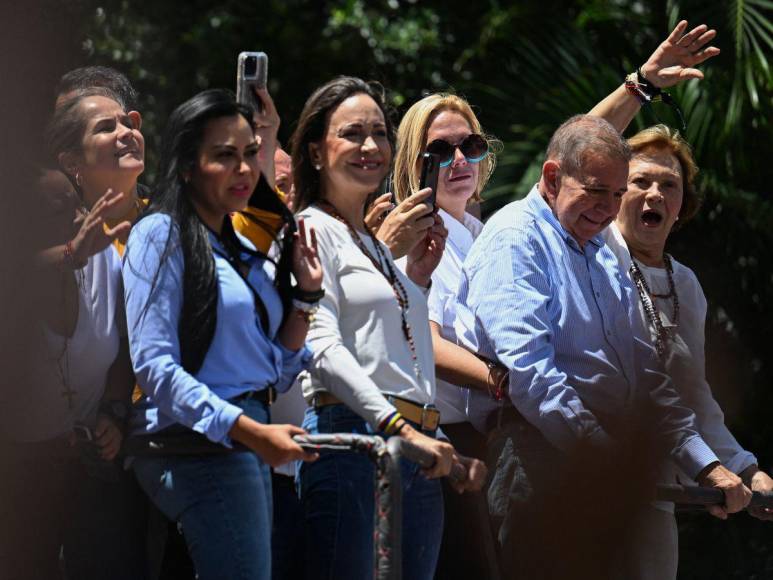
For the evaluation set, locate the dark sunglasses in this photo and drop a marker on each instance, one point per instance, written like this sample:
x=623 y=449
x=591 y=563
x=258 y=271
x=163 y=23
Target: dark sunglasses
x=474 y=148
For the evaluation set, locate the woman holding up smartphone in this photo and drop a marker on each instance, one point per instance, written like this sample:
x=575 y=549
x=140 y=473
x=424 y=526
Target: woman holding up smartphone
x=373 y=370
x=445 y=125
x=214 y=329
x=73 y=497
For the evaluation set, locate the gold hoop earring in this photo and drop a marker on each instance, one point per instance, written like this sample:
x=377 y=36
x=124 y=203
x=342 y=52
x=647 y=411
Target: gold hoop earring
x=78 y=179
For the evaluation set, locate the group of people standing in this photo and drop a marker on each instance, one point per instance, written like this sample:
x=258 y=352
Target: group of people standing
x=561 y=335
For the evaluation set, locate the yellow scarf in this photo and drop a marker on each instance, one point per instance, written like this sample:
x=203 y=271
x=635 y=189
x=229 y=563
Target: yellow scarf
x=258 y=226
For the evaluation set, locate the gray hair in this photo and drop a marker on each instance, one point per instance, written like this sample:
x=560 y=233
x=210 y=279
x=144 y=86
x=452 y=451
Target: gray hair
x=582 y=135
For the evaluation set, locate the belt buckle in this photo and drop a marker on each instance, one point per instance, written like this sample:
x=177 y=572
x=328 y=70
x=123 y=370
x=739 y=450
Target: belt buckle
x=424 y=410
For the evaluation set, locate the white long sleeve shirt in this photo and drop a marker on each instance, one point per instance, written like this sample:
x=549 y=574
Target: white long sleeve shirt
x=686 y=359
x=77 y=366
x=360 y=351
x=451 y=399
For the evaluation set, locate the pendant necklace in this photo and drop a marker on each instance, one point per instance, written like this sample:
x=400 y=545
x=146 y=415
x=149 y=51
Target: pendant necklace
x=662 y=333
x=386 y=269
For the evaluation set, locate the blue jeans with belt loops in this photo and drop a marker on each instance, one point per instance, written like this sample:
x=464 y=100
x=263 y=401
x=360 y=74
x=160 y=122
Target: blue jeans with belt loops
x=223 y=503
x=337 y=493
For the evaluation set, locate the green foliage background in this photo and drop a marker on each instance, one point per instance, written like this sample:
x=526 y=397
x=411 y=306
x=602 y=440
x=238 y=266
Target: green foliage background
x=526 y=66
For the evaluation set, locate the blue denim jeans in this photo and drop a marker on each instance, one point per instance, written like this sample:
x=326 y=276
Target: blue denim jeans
x=288 y=535
x=337 y=492
x=223 y=503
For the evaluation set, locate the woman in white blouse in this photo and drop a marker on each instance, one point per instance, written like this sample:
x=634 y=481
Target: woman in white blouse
x=373 y=368
x=445 y=124
x=661 y=196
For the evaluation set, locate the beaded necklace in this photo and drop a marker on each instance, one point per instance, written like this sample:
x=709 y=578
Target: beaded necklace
x=645 y=293
x=385 y=268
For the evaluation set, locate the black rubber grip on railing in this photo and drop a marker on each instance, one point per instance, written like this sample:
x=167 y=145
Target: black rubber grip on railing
x=706 y=496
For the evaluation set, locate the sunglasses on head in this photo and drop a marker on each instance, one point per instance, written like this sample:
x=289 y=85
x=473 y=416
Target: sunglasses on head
x=474 y=148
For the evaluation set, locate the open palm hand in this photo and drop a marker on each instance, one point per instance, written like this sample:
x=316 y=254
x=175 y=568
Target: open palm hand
x=675 y=59
x=306 y=266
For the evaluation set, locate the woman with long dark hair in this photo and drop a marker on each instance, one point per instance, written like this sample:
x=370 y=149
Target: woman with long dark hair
x=214 y=328
x=373 y=370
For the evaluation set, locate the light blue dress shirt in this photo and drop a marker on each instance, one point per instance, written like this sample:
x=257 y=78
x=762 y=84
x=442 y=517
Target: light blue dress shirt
x=558 y=317
x=241 y=357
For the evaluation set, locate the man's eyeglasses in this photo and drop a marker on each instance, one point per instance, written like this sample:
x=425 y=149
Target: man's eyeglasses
x=474 y=148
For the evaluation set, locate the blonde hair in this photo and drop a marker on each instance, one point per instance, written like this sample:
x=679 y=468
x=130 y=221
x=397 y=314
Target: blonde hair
x=412 y=141
x=663 y=137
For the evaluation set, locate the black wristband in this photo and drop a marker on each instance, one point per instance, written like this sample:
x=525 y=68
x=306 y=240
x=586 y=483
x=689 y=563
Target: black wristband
x=645 y=85
x=308 y=297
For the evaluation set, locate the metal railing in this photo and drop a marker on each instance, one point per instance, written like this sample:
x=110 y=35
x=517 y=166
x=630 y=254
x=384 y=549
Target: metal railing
x=387 y=516
x=388 y=513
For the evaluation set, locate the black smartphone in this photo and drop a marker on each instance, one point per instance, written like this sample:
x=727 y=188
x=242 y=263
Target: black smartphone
x=251 y=73
x=430 y=170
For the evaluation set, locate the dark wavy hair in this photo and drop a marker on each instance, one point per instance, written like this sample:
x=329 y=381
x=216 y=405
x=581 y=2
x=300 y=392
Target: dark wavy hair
x=180 y=144
x=313 y=123
x=89 y=77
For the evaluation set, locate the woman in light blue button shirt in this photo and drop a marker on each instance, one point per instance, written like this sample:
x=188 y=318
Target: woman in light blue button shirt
x=211 y=328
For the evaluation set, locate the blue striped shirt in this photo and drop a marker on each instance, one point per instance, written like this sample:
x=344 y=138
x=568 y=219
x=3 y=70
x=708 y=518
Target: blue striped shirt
x=558 y=316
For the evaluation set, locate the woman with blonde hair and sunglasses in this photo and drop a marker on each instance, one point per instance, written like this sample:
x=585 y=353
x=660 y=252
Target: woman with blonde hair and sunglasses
x=444 y=124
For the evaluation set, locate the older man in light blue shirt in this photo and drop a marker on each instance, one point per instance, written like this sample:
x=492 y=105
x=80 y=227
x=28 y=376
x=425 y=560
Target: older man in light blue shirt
x=542 y=294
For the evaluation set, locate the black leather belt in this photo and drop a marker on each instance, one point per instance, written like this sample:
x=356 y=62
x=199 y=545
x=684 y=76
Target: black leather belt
x=266 y=396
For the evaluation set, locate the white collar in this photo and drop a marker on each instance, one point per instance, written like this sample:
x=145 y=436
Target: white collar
x=461 y=234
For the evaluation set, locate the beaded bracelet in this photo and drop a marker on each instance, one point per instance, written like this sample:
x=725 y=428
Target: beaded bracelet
x=646 y=93
x=498 y=392
x=387 y=426
x=68 y=258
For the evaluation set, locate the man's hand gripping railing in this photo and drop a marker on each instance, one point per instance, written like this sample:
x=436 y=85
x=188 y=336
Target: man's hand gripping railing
x=705 y=496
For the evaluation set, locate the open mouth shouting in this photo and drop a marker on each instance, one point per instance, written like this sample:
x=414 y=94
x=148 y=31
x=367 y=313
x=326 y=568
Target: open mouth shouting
x=651 y=218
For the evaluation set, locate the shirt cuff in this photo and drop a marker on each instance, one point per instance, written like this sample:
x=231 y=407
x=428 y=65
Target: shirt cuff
x=222 y=423
x=741 y=461
x=693 y=455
